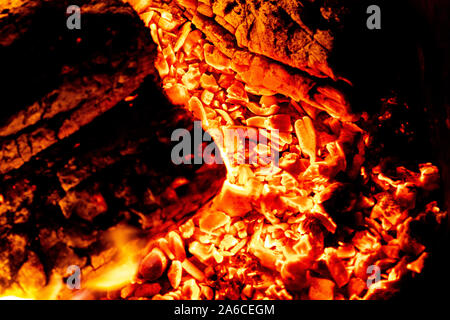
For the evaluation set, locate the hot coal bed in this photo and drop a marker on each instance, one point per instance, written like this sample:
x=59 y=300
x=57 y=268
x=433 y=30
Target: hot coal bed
x=92 y=205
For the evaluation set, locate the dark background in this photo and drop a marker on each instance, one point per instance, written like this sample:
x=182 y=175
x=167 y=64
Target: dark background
x=407 y=59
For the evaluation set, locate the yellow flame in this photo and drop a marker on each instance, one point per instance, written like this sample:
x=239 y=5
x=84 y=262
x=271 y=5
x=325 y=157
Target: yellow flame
x=123 y=267
x=115 y=276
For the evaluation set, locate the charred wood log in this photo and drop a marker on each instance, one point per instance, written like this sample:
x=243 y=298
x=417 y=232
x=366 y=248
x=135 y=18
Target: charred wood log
x=300 y=34
x=116 y=169
x=264 y=60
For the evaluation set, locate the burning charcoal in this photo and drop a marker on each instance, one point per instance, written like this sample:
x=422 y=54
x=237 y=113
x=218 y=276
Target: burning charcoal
x=298 y=203
x=84 y=204
x=162 y=66
x=337 y=268
x=166 y=24
x=160 y=297
x=177 y=94
x=239 y=246
x=272 y=20
x=191 y=41
x=226 y=117
x=263 y=111
x=228 y=242
x=281 y=122
x=406 y=195
x=237 y=92
x=187 y=229
x=226 y=80
x=241 y=228
x=312 y=225
x=266 y=257
x=174 y=295
x=207 y=292
x=293 y=164
x=76 y=81
x=207 y=97
x=31 y=274
x=60 y=256
x=215 y=58
x=429 y=176
x=362 y=262
x=391 y=251
x=225 y=24
x=153 y=265
x=259 y=91
x=385 y=264
x=191 y=79
x=345 y=252
x=202 y=252
x=259 y=122
x=338 y=200
x=128 y=290
x=176 y=245
x=208 y=82
x=190 y=290
x=164 y=245
x=16 y=194
x=399 y=270
x=263 y=72
x=321 y=289
x=418 y=264
x=365 y=242
x=213 y=220
x=21 y=216
x=190 y=268
x=169 y=55
x=334 y=162
x=356 y=286
x=311 y=186
x=294 y=274
x=388 y=211
x=306 y=135
x=248 y=291
x=233 y=200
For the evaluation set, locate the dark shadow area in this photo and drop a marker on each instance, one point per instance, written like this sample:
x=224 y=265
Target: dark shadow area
x=406 y=63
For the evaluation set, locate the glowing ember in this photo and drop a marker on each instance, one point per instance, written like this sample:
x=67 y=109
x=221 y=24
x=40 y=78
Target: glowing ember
x=264 y=235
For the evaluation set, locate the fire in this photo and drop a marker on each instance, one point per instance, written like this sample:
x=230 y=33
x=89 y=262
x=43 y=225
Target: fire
x=290 y=229
x=122 y=268
x=13 y=298
x=31 y=291
x=118 y=267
